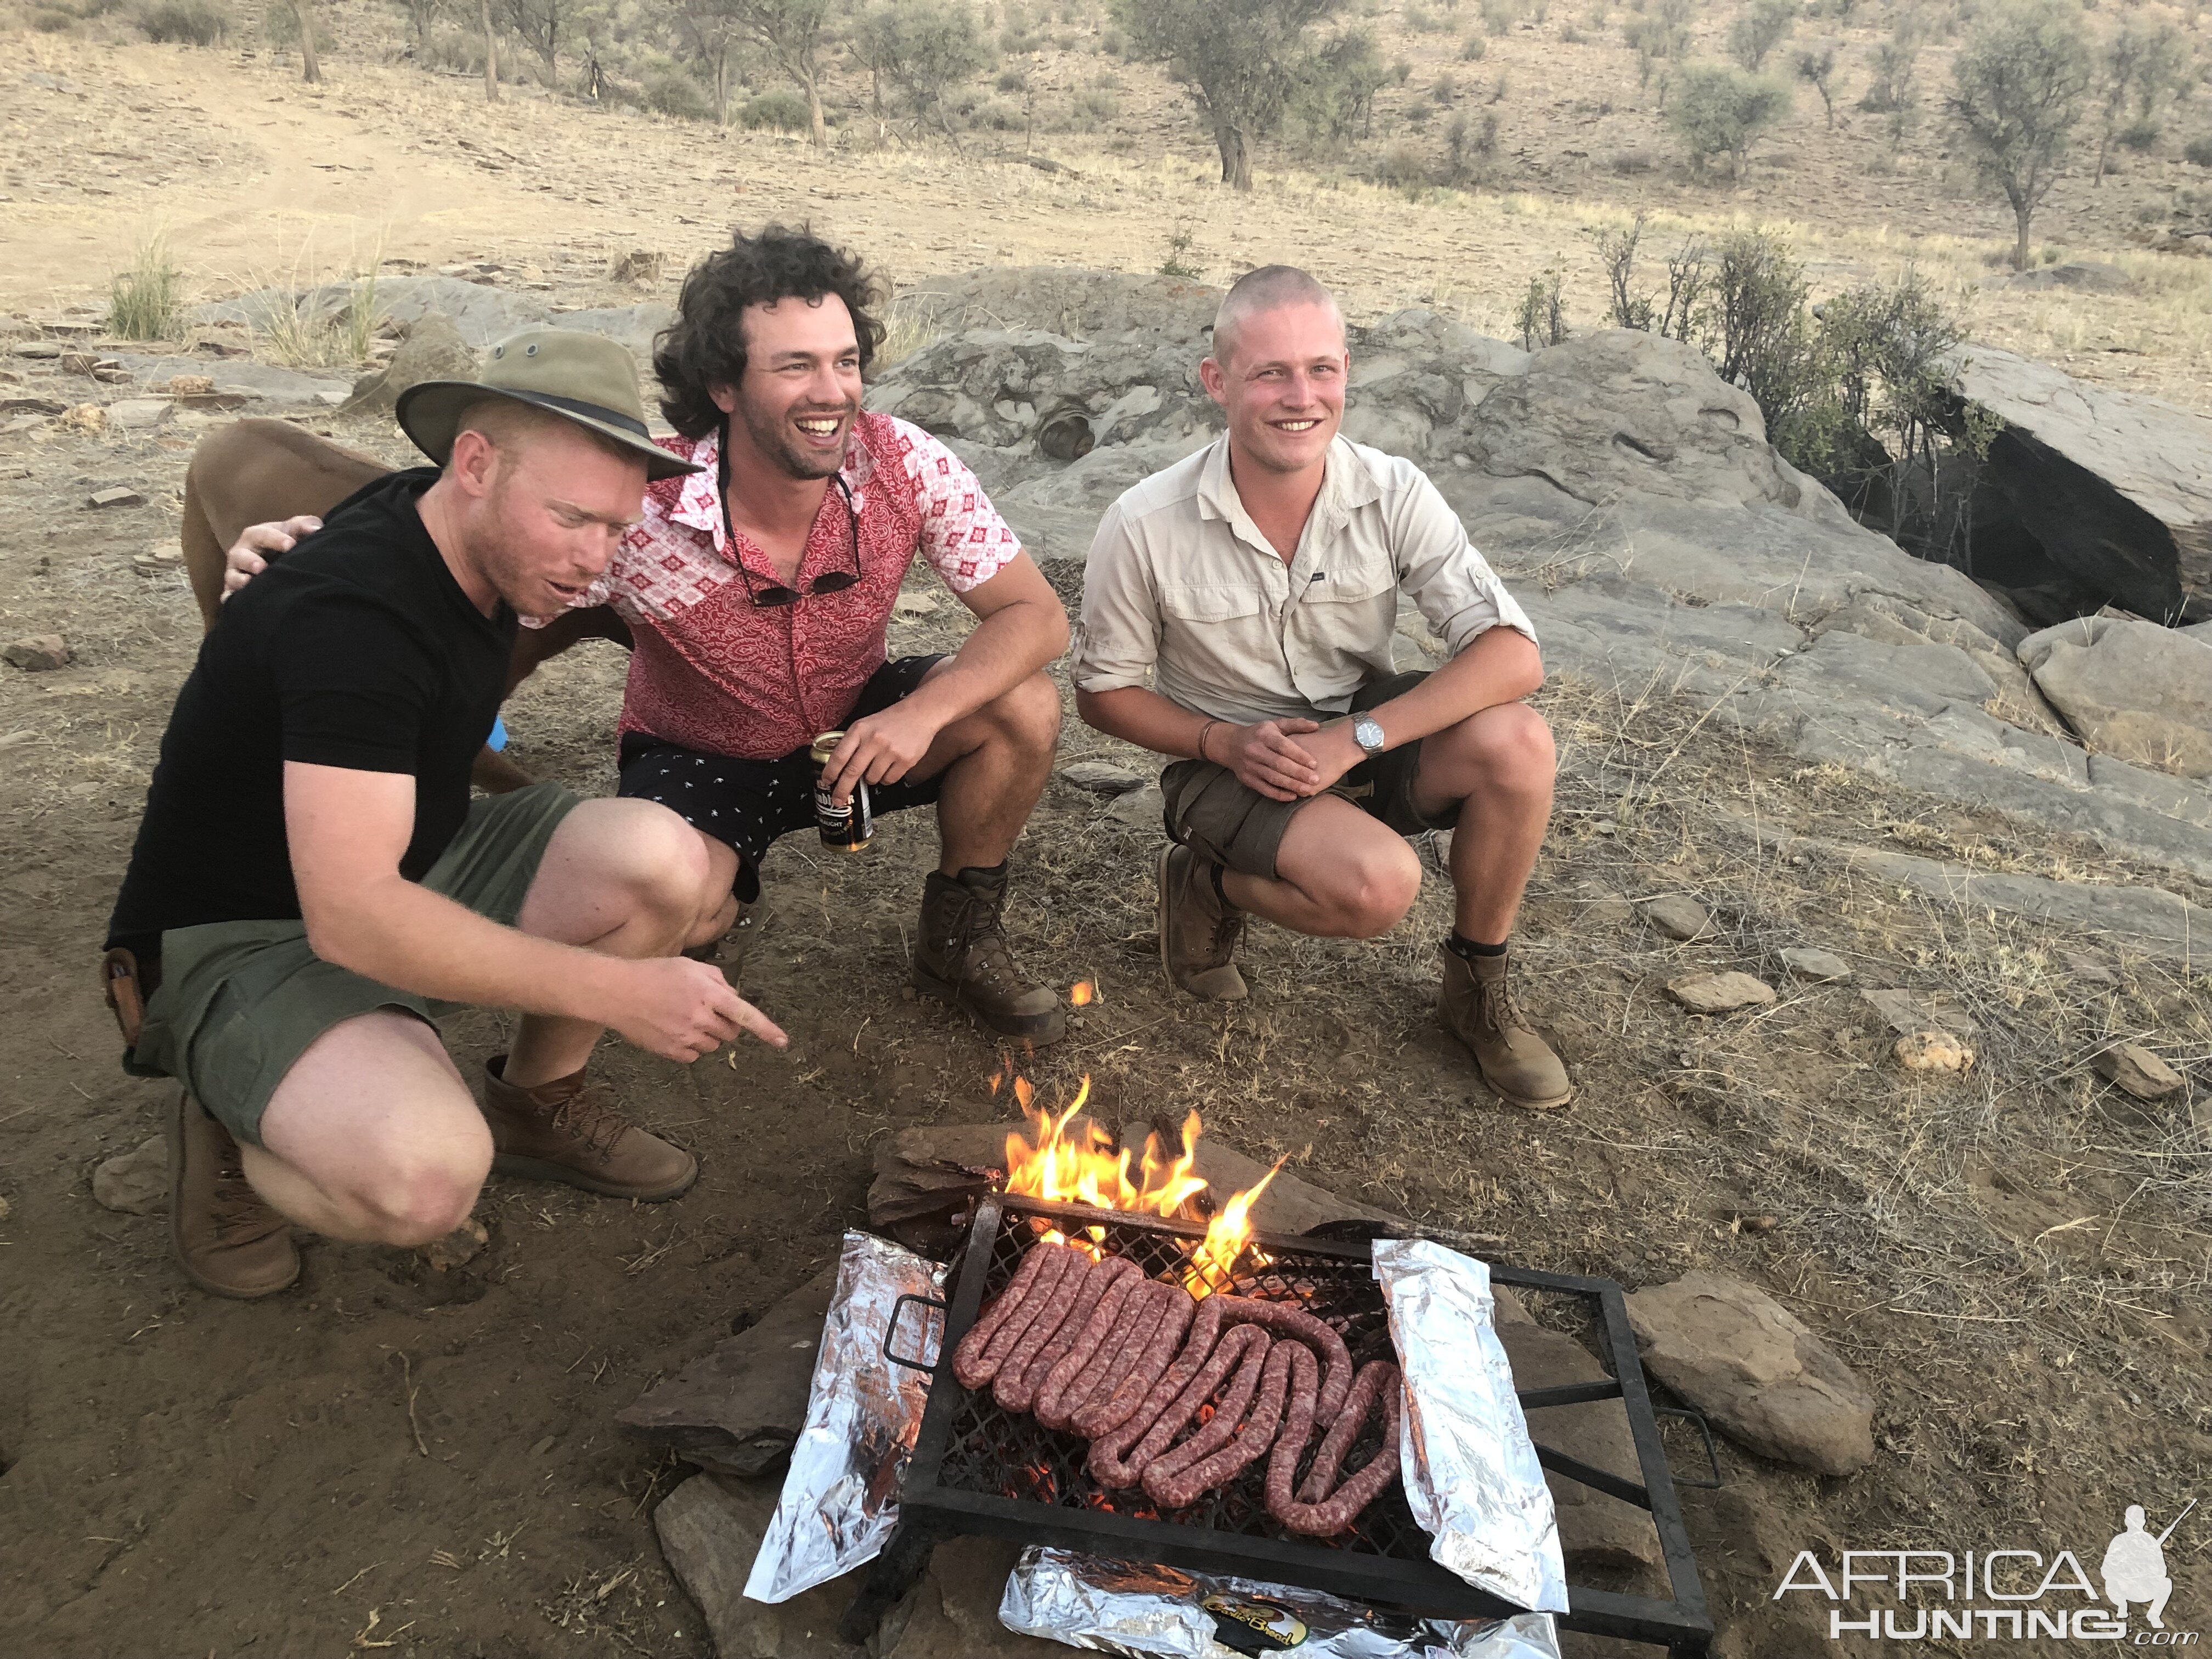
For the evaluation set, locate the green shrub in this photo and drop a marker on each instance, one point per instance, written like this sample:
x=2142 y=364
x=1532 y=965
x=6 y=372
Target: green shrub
x=670 y=91
x=2138 y=135
x=1100 y=104
x=190 y=22
x=2198 y=152
x=1717 y=110
x=1401 y=167
x=1500 y=15
x=1420 y=19
x=1014 y=80
x=46 y=21
x=1474 y=47
x=780 y=108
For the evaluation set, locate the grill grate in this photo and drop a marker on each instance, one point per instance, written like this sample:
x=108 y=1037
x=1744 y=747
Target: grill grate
x=978 y=1468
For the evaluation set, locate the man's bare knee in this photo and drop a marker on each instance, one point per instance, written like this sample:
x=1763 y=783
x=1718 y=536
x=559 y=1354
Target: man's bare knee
x=1379 y=888
x=409 y=1199
x=1028 y=714
x=1512 y=746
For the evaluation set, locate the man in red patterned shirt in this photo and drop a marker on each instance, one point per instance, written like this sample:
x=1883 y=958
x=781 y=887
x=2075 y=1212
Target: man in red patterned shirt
x=758 y=590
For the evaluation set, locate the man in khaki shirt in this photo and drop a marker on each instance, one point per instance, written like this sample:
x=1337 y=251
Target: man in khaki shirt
x=1237 y=613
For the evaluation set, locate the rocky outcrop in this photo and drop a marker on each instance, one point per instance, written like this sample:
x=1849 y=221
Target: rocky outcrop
x=432 y=350
x=2115 y=487
x=2130 y=687
x=479 y=312
x=1627 y=494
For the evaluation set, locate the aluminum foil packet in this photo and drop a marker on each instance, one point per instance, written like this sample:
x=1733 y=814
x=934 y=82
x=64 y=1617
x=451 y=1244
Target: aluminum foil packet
x=1149 y=1612
x=839 y=1500
x=1464 y=1453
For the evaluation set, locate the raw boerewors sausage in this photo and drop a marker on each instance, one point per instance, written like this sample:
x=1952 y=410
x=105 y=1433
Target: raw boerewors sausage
x=1014 y=1387
x=1221 y=1448
x=1107 y=1411
x=1334 y=1513
x=1286 y=1320
x=971 y=1361
x=1115 y=1278
x=1109 y=1449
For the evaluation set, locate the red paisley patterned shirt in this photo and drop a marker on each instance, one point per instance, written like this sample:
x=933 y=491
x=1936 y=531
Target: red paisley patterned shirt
x=713 y=672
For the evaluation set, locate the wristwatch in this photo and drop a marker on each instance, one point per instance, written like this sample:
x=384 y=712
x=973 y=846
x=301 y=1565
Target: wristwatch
x=1367 y=732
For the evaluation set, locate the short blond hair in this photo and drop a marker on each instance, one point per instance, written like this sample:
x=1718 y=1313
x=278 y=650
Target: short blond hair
x=1268 y=288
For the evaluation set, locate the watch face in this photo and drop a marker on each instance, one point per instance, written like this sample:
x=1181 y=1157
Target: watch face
x=1367 y=734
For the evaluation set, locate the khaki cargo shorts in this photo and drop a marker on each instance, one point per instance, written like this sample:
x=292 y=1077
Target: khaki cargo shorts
x=240 y=1001
x=1218 y=818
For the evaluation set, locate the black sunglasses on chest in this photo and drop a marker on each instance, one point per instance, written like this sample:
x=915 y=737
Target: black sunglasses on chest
x=768 y=595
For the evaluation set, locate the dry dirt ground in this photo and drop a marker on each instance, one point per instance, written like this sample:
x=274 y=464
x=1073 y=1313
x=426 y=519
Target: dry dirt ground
x=2016 y=1261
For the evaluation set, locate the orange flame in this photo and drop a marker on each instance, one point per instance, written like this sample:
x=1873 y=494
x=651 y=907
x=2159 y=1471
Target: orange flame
x=1227 y=1236
x=1069 y=1166
x=1081 y=992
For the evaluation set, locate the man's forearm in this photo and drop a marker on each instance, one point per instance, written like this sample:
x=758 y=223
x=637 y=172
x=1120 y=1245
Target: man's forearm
x=402 y=934
x=1139 y=715
x=1007 y=646
x=1500 y=666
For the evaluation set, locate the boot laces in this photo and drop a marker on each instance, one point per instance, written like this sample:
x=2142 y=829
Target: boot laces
x=240 y=1214
x=978 y=942
x=590 y=1116
x=1501 y=1005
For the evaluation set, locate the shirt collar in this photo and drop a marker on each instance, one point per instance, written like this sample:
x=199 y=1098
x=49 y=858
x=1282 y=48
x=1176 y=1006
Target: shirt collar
x=699 y=506
x=1347 y=483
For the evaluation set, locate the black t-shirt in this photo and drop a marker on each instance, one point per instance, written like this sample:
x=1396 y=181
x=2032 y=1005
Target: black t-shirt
x=357 y=649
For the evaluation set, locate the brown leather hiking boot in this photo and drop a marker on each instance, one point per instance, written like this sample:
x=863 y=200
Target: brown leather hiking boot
x=960 y=954
x=571 y=1131
x=227 y=1239
x=1478 y=1007
x=1199 y=929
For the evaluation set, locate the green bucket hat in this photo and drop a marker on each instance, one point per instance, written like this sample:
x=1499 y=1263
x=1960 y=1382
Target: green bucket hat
x=586 y=378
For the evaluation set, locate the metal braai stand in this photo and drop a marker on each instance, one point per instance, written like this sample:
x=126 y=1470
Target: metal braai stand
x=980 y=1468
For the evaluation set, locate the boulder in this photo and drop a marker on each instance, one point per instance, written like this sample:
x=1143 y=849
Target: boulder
x=2130 y=687
x=1142 y=809
x=432 y=350
x=136 y=1182
x=2115 y=487
x=738 y=1409
x=1755 y=1371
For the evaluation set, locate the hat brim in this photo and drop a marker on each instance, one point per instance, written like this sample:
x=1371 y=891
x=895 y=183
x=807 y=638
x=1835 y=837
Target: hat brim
x=429 y=413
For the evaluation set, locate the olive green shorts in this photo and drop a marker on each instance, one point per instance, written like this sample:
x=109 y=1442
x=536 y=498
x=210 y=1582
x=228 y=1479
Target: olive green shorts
x=1218 y=818
x=240 y=1001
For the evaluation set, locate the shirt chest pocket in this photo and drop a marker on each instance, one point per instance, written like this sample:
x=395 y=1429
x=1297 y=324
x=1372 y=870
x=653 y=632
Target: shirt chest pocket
x=1224 y=620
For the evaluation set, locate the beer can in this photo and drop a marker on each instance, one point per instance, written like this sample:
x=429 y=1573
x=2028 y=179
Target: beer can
x=848 y=828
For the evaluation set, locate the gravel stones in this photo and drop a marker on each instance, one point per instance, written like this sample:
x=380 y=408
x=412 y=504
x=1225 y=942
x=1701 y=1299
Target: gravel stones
x=136 y=1182
x=1816 y=966
x=37 y=654
x=1101 y=777
x=1678 y=917
x=1719 y=993
x=1755 y=1371
x=2137 y=1071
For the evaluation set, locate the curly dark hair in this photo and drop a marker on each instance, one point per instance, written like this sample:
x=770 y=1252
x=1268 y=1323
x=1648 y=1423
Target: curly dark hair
x=704 y=347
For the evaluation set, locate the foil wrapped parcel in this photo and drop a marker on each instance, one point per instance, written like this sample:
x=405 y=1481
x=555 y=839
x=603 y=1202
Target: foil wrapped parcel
x=839 y=1500
x=1149 y=1612
x=1470 y=1469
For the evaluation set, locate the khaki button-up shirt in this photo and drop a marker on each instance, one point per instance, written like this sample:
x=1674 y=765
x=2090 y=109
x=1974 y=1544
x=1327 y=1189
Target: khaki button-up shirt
x=1182 y=589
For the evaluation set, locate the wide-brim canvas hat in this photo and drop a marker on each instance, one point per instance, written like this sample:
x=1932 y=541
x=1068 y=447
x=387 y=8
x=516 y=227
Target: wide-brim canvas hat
x=585 y=378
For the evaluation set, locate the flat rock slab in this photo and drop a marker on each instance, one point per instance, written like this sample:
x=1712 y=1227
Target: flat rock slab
x=1720 y=993
x=710 y=1528
x=738 y=1409
x=2137 y=1071
x=115 y=495
x=136 y=1182
x=1904 y=1012
x=1678 y=917
x=1816 y=966
x=1751 y=1366
x=1101 y=777
x=2131 y=689
x=1608 y=1543
x=1142 y=808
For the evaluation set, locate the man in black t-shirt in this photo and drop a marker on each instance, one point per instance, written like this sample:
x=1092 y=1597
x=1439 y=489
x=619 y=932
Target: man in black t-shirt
x=311 y=881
